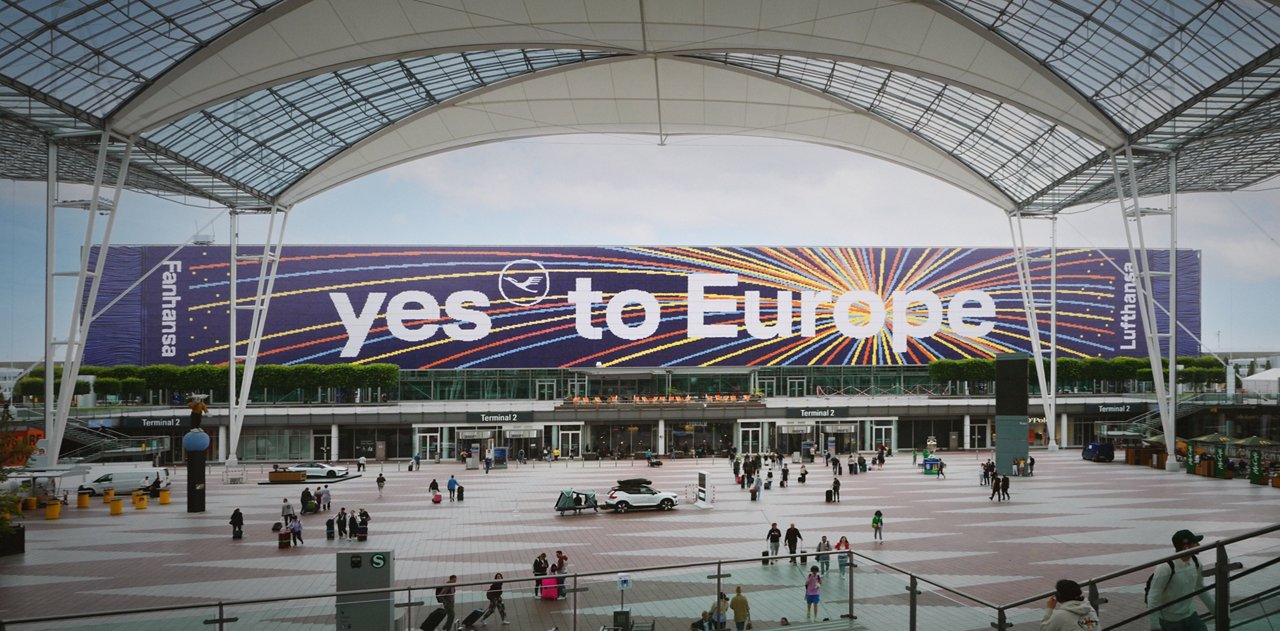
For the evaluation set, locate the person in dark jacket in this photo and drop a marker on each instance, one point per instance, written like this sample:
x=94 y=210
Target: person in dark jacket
x=774 y=537
x=341 y=522
x=495 y=600
x=1004 y=487
x=793 y=540
x=540 y=567
x=237 y=523
x=835 y=489
x=444 y=596
x=353 y=524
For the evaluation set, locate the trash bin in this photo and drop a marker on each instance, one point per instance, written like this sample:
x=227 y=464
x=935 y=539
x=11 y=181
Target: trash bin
x=53 y=510
x=283 y=540
x=165 y=496
x=82 y=499
x=28 y=503
x=117 y=506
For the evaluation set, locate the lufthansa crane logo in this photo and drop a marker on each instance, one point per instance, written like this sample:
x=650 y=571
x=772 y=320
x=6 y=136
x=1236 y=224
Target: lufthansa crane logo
x=524 y=282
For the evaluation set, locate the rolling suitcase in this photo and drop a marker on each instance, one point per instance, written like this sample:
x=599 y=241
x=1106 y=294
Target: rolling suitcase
x=460 y=489
x=239 y=534
x=550 y=589
x=804 y=557
x=432 y=620
x=831 y=496
x=435 y=499
x=801 y=478
x=472 y=619
x=764 y=558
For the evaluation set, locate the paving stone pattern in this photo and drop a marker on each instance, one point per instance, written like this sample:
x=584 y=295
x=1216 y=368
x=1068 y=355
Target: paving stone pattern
x=1072 y=519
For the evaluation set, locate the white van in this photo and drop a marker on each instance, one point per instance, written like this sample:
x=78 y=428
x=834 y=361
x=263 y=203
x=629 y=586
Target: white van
x=125 y=480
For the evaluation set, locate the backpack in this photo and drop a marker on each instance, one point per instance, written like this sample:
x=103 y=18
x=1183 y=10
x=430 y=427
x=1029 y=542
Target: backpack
x=1146 y=591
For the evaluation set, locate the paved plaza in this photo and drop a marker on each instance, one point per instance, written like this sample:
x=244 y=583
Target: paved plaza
x=1073 y=519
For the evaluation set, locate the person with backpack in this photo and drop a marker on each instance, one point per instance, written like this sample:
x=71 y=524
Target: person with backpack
x=1173 y=580
x=1067 y=610
x=444 y=596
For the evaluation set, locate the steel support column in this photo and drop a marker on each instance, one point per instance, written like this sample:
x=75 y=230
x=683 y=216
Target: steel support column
x=1133 y=214
x=1048 y=394
x=82 y=302
x=268 y=264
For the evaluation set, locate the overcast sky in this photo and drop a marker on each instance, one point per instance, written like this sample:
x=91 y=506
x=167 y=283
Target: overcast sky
x=627 y=190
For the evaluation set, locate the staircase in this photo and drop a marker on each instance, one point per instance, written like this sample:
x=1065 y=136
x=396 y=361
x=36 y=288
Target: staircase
x=1148 y=423
x=102 y=443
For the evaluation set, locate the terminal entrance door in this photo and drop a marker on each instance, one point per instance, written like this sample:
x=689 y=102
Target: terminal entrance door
x=320 y=448
x=749 y=438
x=570 y=443
x=882 y=435
x=429 y=445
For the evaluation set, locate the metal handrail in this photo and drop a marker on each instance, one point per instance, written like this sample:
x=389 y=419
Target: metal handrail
x=999 y=609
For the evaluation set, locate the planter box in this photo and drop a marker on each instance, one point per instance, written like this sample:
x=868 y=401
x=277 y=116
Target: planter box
x=286 y=476
x=14 y=542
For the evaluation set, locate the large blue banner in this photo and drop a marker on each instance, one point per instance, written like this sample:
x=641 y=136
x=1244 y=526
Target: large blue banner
x=548 y=307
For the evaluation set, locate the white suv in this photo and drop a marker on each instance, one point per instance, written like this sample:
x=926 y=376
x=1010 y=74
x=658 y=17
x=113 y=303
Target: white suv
x=636 y=493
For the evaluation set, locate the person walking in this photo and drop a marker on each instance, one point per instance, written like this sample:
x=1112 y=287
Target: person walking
x=757 y=489
x=835 y=489
x=823 y=557
x=741 y=610
x=353 y=524
x=812 y=594
x=295 y=531
x=793 y=539
x=995 y=488
x=237 y=524
x=341 y=522
x=452 y=485
x=382 y=482
x=540 y=567
x=444 y=596
x=774 y=537
x=1004 y=487
x=1066 y=609
x=942 y=469
x=286 y=512
x=843 y=560
x=1031 y=465
x=1172 y=582
x=494 y=594
x=785 y=473
x=562 y=568
x=877 y=527
x=417 y=462
x=488 y=464
x=720 y=612
x=323 y=498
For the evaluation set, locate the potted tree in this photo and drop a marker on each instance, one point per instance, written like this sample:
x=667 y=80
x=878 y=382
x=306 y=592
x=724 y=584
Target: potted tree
x=14 y=451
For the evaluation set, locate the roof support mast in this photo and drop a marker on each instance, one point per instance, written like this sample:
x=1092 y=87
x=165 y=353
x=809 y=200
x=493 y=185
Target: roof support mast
x=1022 y=259
x=1124 y=167
x=82 y=301
x=268 y=263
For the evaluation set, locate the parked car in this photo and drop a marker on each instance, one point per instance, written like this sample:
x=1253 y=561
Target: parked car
x=125 y=480
x=1099 y=452
x=319 y=470
x=636 y=493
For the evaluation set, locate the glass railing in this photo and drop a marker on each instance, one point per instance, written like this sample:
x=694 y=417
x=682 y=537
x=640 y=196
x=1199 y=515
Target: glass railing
x=1241 y=573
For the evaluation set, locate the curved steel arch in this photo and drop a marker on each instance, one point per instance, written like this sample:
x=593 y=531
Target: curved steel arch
x=367 y=157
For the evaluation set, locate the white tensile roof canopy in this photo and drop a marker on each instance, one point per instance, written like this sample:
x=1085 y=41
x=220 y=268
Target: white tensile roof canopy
x=247 y=102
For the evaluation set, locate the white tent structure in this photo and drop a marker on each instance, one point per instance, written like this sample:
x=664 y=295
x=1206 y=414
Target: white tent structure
x=1265 y=382
x=258 y=105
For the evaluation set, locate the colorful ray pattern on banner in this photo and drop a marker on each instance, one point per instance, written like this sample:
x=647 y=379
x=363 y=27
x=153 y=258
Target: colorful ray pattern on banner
x=548 y=307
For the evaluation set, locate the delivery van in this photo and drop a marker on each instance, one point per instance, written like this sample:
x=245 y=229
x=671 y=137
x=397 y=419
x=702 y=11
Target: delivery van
x=1099 y=452
x=125 y=480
